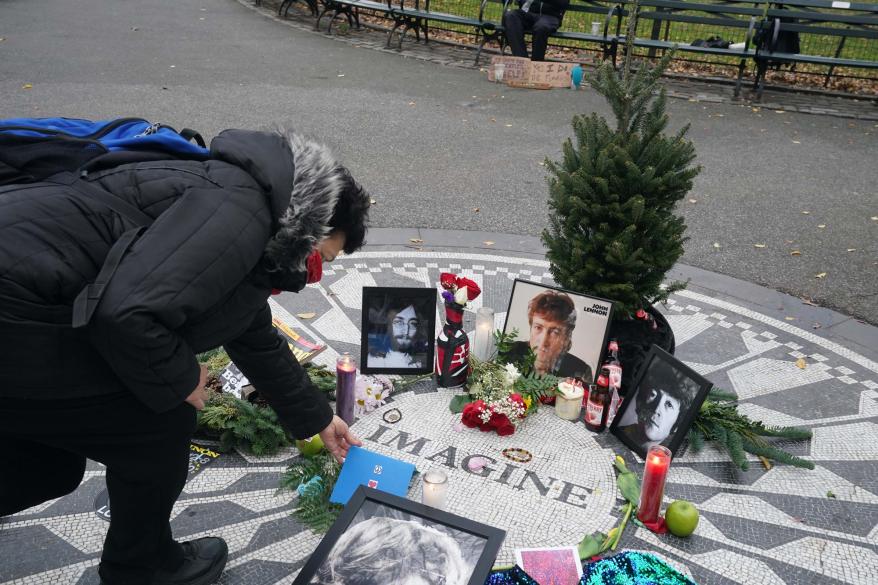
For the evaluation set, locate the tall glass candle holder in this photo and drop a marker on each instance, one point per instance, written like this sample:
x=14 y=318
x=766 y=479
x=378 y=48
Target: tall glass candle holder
x=345 y=387
x=483 y=346
x=435 y=488
x=655 y=472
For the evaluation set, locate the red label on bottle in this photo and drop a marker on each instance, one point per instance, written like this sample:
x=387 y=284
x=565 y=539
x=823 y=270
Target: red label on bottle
x=603 y=381
x=594 y=412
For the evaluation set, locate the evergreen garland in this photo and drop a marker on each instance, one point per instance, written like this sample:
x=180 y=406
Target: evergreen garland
x=313 y=479
x=720 y=422
x=238 y=423
x=323 y=379
x=612 y=229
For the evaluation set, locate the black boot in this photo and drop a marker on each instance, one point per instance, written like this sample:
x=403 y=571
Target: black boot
x=203 y=561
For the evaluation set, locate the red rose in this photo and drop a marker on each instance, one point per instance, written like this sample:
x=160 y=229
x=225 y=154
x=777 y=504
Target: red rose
x=498 y=420
x=472 y=289
x=506 y=429
x=471 y=414
x=448 y=281
x=546 y=399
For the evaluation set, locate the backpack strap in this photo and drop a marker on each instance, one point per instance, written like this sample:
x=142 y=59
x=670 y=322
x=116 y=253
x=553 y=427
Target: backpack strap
x=88 y=298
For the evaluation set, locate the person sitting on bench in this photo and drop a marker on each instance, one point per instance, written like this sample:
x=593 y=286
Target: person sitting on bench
x=541 y=18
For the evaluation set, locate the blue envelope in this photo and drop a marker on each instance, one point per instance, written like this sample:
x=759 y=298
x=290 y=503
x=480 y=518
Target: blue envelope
x=380 y=472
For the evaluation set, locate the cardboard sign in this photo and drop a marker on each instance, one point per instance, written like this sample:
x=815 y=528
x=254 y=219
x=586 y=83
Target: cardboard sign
x=522 y=72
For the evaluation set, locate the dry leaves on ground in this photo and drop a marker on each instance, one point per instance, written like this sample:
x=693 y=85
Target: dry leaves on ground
x=800 y=363
x=306 y=315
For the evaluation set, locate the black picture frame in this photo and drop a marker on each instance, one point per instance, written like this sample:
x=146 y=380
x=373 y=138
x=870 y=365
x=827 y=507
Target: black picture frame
x=660 y=371
x=380 y=304
x=586 y=348
x=403 y=511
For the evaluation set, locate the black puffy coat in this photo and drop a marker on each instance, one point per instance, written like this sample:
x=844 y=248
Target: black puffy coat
x=196 y=279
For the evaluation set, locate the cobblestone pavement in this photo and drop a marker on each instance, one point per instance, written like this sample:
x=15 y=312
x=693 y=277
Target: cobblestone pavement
x=677 y=87
x=784 y=525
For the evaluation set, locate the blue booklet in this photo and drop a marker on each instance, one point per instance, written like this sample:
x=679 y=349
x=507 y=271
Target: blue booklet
x=380 y=472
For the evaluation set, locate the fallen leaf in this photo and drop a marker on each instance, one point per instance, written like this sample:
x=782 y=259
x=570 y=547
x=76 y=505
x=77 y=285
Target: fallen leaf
x=755 y=109
x=509 y=125
x=795 y=253
x=341 y=74
x=829 y=494
x=306 y=315
x=809 y=303
x=820 y=275
x=493 y=120
x=173 y=66
x=852 y=249
x=416 y=240
x=796 y=142
x=789 y=318
x=806 y=213
x=758 y=245
x=693 y=201
x=875 y=218
x=716 y=245
x=822 y=226
x=373 y=202
x=779 y=112
x=488 y=243
x=815 y=326
x=411 y=103
x=27 y=86
x=2 y=39
x=801 y=364
x=476 y=209
x=133 y=28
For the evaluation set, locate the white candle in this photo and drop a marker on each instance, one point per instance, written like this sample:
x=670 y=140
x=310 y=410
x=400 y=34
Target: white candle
x=435 y=488
x=568 y=402
x=483 y=344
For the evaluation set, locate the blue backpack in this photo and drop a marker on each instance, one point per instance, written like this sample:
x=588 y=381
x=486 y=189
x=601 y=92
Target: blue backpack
x=64 y=150
x=35 y=149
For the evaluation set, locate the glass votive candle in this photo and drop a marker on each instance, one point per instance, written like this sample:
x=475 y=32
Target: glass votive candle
x=435 y=488
x=655 y=472
x=568 y=401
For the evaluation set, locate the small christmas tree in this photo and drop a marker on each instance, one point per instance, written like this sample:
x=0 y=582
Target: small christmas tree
x=612 y=229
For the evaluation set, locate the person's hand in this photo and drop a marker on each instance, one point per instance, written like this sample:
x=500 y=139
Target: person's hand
x=338 y=438
x=199 y=395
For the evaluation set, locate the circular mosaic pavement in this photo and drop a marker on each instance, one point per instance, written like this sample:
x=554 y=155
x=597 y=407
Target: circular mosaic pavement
x=567 y=489
x=785 y=525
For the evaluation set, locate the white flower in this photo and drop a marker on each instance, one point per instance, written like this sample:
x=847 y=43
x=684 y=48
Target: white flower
x=511 y=375
x=460 y=296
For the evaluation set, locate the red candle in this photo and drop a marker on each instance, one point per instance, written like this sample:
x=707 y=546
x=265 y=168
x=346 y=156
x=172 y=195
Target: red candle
x=658 y=460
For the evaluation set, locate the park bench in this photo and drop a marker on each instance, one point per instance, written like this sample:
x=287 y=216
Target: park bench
x=351 y=10
x=813 y=22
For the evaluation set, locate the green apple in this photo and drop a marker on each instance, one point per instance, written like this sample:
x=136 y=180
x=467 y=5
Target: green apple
x=310 y=447
x=681 y=518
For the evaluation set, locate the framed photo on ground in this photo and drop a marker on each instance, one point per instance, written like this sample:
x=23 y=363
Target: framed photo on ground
x=566 y=330
x=661 y=405
x=381 y=539
x=398 y=330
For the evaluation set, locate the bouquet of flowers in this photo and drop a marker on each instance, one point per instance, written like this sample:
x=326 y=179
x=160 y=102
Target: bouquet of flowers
x=370 y=393
x=500 y=397
x=457 y=289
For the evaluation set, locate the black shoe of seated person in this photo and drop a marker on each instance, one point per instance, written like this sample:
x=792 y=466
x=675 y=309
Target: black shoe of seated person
x=203 y=561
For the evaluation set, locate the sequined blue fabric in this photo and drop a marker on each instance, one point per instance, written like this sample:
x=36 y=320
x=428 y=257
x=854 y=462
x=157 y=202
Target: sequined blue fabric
x=632 y=568
x=626 y=568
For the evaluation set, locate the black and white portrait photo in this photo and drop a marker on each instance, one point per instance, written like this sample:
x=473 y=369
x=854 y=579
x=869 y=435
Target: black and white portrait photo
x=566 y=331
x=381 y=539
x=398 y=330
x=662 y=404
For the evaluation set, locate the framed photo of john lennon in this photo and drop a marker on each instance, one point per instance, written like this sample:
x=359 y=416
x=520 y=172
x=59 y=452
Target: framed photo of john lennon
x=566 y=330
x=398 y=330
x=661 y=405
x=381 y=539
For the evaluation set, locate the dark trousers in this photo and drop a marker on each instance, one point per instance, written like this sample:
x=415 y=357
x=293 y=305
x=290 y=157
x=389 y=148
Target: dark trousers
x=517 y=22
x=44 y=447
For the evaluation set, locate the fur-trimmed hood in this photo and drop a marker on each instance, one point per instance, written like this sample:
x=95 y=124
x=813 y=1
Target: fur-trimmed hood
x=302 y=180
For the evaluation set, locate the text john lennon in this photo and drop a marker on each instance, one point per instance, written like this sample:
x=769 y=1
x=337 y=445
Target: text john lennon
x=511 y=475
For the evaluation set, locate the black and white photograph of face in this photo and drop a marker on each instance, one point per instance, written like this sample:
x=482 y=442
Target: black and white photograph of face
x=660 y=406
x=384 y=546
x=399 y=330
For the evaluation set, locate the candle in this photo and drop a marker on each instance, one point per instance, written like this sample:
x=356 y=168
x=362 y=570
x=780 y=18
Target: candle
x=658 y=460
x=345 y=383
x=435 y=488
x=568 y=402
x=483 y=345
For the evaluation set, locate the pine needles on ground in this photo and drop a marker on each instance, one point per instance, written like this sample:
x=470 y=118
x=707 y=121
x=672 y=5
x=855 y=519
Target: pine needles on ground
x=313 y=479
x=720 y=422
